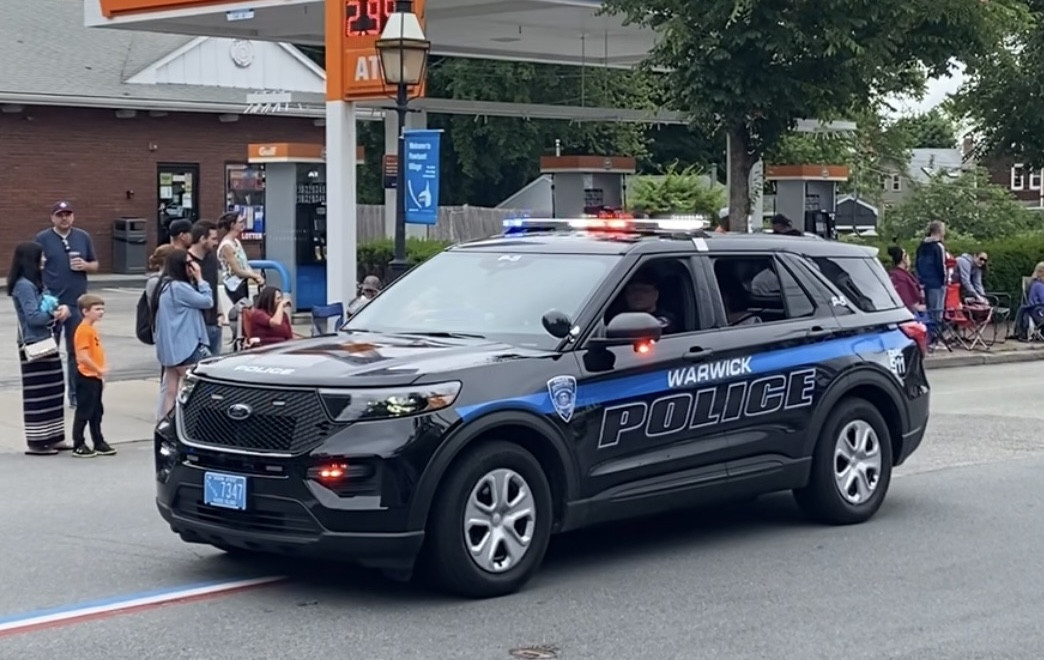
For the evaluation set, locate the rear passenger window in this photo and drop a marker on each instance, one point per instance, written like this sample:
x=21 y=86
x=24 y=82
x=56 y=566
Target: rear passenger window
x=757 y=289
x=863 y=281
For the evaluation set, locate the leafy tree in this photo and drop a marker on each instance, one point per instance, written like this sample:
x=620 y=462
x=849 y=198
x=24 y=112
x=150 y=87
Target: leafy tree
x=751 y=68
x=1002 y=91
x=489 y=158
x=971 y=206
x=875 y=148
x=928 y=130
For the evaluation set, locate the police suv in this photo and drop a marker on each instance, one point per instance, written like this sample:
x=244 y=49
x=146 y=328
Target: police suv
x=563 y=374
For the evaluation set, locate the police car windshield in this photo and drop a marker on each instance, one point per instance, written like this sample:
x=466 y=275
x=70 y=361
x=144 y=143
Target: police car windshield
x=500 y=296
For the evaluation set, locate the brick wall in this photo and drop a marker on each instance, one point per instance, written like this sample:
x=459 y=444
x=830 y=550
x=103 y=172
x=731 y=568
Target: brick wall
x=93 y=159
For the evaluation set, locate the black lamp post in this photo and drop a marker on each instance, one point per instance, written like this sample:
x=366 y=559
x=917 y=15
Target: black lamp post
x=403 y=48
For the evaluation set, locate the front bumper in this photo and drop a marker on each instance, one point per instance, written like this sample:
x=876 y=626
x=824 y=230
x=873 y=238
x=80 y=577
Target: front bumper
x=391 y=551
x=287 y=513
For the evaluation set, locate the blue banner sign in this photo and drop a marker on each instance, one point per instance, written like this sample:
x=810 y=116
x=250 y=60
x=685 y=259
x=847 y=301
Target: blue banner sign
x=422 y=176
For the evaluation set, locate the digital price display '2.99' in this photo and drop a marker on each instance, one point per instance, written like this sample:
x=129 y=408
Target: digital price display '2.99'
x=367 y=17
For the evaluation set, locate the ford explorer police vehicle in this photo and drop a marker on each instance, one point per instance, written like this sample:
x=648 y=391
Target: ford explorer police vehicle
x=563 y=374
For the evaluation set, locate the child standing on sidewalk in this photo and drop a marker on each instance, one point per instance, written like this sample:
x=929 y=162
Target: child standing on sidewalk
x=92 y=367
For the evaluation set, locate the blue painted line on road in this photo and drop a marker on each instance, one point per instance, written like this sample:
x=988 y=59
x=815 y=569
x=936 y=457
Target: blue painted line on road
x=134 y=600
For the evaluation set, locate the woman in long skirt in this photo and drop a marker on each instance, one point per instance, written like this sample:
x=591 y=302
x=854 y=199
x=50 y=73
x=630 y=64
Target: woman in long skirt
x=43 y=384
x=43 y=404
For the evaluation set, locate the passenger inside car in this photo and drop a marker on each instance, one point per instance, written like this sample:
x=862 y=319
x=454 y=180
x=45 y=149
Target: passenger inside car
x=737 y=307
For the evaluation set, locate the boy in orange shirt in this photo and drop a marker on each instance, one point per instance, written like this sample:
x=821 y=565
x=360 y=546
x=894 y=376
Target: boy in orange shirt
x=92 y=367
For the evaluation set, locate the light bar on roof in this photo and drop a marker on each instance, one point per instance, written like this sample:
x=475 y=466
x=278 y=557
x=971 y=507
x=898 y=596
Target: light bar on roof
x=623 y=225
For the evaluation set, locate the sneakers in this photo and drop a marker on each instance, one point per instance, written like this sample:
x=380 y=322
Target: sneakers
x=100 y=449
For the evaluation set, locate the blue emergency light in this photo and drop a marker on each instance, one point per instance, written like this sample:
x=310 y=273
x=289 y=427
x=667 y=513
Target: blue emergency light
x=605 y=225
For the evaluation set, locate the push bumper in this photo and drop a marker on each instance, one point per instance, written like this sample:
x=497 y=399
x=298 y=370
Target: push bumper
x=378 y=550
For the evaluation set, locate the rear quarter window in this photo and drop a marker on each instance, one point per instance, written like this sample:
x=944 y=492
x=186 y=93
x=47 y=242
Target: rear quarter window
x=863 y=281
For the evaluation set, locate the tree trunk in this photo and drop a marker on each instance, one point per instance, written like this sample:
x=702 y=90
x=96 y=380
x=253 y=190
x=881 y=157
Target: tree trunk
x=741 y=161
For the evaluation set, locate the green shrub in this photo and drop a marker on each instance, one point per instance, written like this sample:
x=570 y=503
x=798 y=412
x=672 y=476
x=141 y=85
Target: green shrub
x=1011 y=259
x=677 y=191
x=372 y=257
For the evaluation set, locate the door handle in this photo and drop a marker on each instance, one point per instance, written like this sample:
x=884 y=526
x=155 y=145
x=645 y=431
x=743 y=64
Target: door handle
x=818 y=331
x=698 y=353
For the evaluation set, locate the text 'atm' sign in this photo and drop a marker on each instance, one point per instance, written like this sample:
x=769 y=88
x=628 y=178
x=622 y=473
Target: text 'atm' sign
x=361 y=24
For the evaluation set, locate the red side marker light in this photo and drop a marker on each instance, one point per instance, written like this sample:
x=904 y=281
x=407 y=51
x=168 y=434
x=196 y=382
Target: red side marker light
x=644 y=347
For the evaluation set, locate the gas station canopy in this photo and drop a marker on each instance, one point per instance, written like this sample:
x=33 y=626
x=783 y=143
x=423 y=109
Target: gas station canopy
x=549 y=31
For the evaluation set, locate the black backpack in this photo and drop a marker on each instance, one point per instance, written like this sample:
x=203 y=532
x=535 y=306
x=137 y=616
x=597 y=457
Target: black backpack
x=143 y=320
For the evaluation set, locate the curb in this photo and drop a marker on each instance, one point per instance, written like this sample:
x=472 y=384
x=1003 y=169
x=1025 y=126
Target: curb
x=104 y=281
x=1007 y=357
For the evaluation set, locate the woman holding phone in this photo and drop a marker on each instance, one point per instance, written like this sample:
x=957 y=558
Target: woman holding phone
x=270 y=318
x=180 y=334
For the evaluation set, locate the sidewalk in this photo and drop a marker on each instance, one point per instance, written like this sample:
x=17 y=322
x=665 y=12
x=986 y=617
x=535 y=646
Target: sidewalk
x=130 y=409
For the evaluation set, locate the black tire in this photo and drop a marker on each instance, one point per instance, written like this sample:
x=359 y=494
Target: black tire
x=447 y=561
x=821 y=499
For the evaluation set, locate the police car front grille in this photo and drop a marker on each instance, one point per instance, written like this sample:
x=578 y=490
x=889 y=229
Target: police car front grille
x=283 y=421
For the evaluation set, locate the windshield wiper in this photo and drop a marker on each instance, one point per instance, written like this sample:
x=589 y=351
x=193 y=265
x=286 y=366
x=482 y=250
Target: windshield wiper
x=448 y=335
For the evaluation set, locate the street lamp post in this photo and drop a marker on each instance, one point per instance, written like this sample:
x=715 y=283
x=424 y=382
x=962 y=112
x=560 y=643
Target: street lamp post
x=403 y=49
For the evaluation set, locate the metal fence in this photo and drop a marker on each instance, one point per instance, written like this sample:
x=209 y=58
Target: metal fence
x=456 y=223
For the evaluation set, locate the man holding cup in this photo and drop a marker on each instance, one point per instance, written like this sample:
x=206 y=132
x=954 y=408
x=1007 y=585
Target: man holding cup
x=68 y=257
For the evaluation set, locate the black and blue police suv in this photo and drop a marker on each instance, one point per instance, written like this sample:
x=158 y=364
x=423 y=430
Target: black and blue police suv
x=564 y=374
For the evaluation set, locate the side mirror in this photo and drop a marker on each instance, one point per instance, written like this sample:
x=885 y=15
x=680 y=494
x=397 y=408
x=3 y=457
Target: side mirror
x=629 y=328
x=557 y=324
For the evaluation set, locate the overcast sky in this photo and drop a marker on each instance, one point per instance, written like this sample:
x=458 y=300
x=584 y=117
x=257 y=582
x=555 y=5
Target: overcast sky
x=937 y=90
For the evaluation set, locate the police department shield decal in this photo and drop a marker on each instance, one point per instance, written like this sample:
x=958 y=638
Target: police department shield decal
x=563 y=396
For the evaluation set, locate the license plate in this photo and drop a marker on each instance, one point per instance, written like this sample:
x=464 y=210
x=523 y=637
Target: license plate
x=227 y=491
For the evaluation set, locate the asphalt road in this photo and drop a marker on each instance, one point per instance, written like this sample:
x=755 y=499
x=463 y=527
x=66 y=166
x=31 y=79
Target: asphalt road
x=950 y=568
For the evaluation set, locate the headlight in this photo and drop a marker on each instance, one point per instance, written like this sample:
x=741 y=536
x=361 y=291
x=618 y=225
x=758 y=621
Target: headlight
x=187 y=386
x=363 y=404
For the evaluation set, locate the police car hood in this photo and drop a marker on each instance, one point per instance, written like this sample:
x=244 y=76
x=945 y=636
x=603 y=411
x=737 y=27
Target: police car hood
x=358 y=359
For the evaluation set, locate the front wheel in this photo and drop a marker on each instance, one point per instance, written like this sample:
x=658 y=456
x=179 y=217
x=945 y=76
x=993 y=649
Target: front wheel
x=851 y=466
x=490 y=523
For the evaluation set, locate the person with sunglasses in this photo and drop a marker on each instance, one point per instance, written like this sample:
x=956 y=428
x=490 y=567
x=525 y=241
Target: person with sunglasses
x=968 y=273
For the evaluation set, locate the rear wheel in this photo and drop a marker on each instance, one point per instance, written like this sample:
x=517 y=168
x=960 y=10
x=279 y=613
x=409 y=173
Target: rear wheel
x=851 y=466
x=490 y=522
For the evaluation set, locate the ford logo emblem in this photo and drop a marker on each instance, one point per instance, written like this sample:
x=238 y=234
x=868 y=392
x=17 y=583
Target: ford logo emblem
x=239 y=411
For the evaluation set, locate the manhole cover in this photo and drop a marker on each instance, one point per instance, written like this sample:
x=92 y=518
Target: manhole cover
x=544 y=652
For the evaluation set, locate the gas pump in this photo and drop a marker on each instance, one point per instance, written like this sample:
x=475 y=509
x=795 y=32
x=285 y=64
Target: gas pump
x=295 y=215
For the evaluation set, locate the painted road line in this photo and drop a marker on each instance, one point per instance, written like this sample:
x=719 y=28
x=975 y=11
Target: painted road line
x=136 y=602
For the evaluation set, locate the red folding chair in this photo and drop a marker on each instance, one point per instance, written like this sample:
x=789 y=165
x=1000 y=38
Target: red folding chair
x=963 y=323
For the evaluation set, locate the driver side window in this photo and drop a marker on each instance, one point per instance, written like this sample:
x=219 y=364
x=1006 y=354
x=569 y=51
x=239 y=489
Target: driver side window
x=661 y=287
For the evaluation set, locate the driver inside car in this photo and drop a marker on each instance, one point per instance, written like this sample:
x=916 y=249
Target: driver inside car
x=643 y=295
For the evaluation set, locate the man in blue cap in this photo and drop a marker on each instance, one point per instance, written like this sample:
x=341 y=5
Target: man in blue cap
x=69 y=255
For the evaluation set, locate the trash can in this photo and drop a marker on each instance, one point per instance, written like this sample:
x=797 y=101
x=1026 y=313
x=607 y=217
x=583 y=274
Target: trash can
x=129 y=246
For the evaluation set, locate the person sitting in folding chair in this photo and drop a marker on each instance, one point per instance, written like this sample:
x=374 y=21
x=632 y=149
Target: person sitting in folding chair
x=1029 y=321
x=968 y=273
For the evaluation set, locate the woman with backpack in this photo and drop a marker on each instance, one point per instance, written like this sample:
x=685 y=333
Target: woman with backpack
x=180 y=333
x=145 y=322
